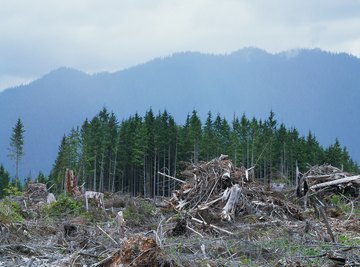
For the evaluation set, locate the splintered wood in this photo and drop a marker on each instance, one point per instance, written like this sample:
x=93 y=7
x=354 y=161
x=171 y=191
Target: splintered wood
x=206 y=184
x=70 y=183
x=232 y=196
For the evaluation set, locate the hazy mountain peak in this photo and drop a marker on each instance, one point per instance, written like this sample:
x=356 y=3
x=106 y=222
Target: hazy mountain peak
x=64 y=72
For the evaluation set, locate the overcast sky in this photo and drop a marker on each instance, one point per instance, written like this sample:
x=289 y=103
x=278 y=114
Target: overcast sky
x=106 y=35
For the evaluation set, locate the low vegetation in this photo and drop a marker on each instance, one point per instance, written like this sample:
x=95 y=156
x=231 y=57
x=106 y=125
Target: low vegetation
x=10 y=212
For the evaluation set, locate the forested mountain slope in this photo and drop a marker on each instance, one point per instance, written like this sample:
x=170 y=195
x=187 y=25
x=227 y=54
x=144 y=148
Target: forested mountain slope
x=309 y=89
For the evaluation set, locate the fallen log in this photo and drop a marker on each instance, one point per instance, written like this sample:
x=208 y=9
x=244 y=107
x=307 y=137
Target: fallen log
x=335 y=182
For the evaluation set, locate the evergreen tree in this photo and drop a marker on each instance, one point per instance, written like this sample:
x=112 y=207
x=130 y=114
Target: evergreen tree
x=195 y=135
x=139 y=153
x=128 y=156
x=334 y=154
x=217 y=126
x=4 y=180
x=41 y=178
x=17 y=145
x=62 y=161
x=313 y=152
x=208 y=142
x=27 y=181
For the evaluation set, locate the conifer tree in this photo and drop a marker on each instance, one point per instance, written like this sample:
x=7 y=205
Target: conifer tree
x=57 y=174
x=4 y=180
x=195 y=135
x=208 y=145
x=129 y=155
x=17 y=145
x=334 y=154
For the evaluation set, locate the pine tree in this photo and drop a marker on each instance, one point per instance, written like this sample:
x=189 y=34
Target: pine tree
x=128 y=157
x=62 y=162
x=139 y=152
x=17 y=145
x=41 y=178
x=195 y=133
x=208 y=145
x=4 y=180
x=334 y=154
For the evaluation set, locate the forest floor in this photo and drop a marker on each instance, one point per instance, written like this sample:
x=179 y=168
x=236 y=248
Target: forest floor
x=279 y=232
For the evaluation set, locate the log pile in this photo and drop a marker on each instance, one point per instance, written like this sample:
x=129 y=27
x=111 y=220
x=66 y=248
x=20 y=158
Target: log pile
x=219 y=190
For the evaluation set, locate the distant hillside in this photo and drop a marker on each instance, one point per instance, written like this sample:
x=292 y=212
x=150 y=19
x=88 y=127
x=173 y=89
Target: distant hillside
x=309 y=89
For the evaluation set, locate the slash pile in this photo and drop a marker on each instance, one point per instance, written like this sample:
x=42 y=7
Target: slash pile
x=219 y=190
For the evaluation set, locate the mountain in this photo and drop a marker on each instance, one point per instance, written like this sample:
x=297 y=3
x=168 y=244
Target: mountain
x=310 y=89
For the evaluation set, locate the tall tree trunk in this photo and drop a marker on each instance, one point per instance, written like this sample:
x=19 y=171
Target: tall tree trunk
x=175 y=162
x=94 y=183
x=144 y=176
x=196 y=152
x=169 y=172
x=157 y=175
x=109 y=176
x=163 y=178
x=247 y=152
x=114 y=174
x=101 y=182
x=122 y=182
x=154 y=178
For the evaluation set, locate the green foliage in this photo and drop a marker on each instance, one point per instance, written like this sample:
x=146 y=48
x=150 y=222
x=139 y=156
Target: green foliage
x=27 y=181
x=10 y=211
x=13 y=188
x=348 y=241
x=4 y=181
x=41 y=178
x=137 y=211
x=335 y=200
x=64 y=205
x=110 y=156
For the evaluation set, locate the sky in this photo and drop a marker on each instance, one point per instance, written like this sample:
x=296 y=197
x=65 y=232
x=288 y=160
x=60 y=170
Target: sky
x=93 y=36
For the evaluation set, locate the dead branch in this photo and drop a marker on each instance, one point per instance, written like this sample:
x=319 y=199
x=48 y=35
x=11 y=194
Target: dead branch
x=171 y=177
x=212 y=226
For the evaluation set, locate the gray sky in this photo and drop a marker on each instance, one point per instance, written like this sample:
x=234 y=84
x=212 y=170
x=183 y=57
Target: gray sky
x=106 y=35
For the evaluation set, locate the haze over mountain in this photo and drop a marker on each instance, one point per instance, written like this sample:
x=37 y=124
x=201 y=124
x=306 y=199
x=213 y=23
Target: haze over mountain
x=309 y=89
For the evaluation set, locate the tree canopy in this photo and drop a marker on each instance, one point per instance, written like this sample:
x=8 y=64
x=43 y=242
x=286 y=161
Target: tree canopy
x=127 y=156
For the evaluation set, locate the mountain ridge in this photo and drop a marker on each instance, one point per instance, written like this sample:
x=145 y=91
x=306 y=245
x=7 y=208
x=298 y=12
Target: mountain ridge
x=309 y=89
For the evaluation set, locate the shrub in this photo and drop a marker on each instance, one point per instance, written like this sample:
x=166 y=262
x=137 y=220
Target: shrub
x=10 y=212
x=64 y=205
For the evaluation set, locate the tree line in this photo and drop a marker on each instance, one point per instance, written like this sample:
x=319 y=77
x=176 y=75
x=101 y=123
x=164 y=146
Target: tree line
x=127 y=156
